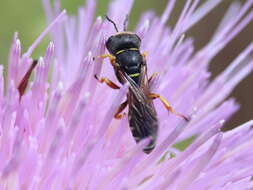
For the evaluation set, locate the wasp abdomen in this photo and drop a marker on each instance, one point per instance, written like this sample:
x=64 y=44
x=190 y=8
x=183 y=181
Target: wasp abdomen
x=139 y=134
x=143 y=122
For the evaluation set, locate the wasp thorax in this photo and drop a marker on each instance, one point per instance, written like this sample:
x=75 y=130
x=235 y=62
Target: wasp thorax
x=122 y=41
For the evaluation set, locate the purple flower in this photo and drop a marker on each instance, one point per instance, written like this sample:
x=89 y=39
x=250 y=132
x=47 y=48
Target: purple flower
x=58 y=131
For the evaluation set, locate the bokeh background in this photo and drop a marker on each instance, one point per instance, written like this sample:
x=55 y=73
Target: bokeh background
x=27 y=17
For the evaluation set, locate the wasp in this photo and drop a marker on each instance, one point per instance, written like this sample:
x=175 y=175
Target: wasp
x=130 y=66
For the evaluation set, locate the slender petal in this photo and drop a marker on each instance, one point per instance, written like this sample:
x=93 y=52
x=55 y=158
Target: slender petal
x=57 y=124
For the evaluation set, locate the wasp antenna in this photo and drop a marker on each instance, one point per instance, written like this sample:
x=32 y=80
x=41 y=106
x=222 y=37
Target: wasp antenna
x=111 y=21
x=125 y=24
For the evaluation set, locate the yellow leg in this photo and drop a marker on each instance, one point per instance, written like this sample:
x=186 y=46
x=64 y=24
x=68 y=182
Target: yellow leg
x=118 y=114
x=144 y=54
x=111 y=58
x=168 y=106
x=108 y=82
x=106 y=56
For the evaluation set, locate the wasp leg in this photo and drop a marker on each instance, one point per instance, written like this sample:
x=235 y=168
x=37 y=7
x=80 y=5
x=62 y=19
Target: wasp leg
x=145 y=54
x=107 y=81
x=152 y=76
x=168 y=106
x=111 y=58
x=106 y=56
x=24 y=82
x=118 y=114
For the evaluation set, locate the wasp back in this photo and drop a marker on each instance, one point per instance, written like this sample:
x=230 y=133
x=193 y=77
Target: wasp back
x=125 y=47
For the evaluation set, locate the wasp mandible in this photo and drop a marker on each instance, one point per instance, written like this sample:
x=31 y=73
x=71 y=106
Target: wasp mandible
x=130 y=66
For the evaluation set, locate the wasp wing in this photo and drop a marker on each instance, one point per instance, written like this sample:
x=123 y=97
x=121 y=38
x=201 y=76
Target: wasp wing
x=142 y=115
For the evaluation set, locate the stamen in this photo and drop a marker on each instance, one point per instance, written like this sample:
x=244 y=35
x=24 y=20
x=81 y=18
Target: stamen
x=167 y=12
x=44 y=33
x=200 y=13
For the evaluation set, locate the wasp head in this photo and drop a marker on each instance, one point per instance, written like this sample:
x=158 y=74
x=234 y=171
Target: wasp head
x=122 y=41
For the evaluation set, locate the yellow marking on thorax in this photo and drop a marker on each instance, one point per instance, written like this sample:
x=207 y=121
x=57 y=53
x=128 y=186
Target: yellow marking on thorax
x=131 y=49
x=121 y=51
x=134 y=75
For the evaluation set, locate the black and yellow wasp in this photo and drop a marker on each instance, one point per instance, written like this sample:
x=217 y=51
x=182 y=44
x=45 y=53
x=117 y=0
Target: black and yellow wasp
x=130 y=66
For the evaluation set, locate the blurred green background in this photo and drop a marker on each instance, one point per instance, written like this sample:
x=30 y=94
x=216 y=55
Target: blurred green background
x=27 y=17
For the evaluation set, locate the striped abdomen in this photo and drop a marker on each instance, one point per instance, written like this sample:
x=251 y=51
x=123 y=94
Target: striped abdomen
x=143 y=121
